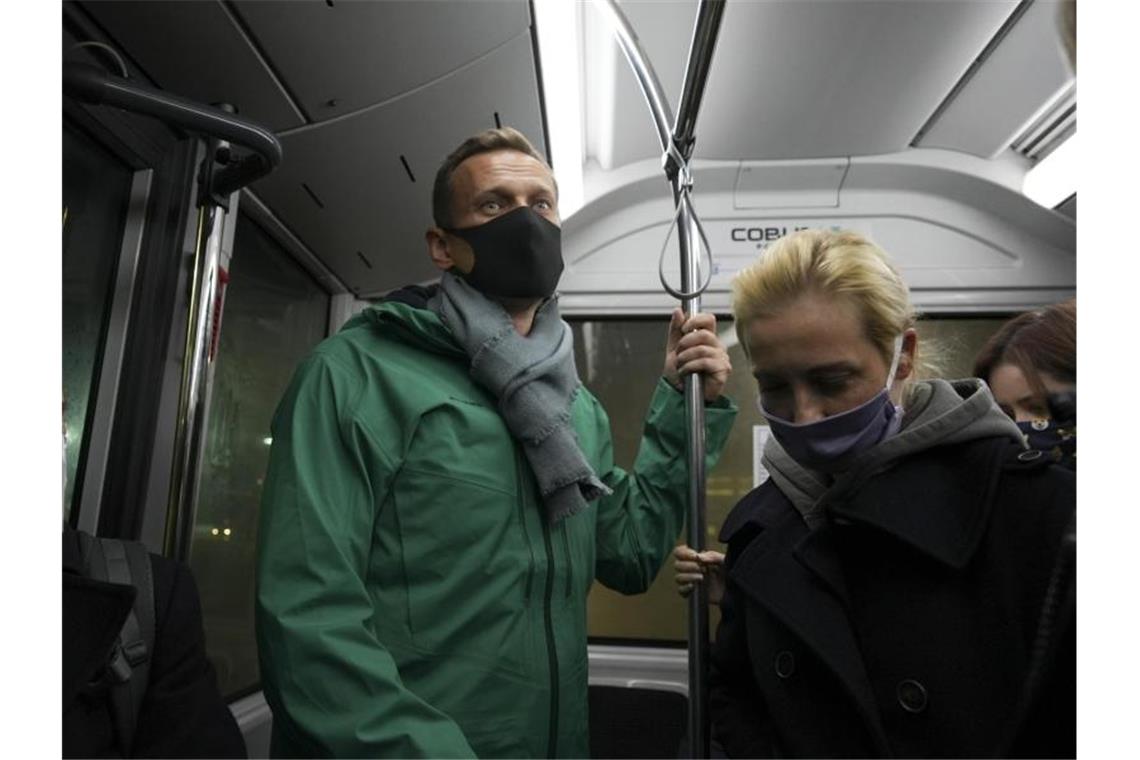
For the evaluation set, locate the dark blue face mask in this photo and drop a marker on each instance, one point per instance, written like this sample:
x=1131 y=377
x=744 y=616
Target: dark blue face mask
x=1057 y=441
x=829 y=445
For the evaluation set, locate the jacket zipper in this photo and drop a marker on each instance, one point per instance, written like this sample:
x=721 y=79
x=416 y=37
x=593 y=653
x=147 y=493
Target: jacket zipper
x=569 y=564
x=547 y=612
x=520 y=497
x=550 y=650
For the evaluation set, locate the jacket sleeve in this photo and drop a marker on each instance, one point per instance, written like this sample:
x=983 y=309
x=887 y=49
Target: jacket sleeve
x=182 y=712
x=639 y=523
x=333 y=687
x=740 y=720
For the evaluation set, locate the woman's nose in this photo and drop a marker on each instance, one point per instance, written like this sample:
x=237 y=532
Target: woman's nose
x=808 y=407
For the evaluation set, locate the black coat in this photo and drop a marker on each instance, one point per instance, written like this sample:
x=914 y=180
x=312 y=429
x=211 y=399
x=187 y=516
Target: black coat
x=904 y=626
x=182 y=713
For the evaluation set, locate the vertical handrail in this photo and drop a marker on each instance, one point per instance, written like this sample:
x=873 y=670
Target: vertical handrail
x=677 y=141
x=192 y=398
x=705 y=31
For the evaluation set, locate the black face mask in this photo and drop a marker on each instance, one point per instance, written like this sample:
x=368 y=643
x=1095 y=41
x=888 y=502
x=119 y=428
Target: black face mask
x=517 y=255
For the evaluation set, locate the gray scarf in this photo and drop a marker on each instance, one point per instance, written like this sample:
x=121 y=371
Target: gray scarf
x=535 y=380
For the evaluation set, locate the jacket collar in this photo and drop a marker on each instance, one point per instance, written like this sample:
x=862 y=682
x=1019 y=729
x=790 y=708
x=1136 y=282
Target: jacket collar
x=403 y=320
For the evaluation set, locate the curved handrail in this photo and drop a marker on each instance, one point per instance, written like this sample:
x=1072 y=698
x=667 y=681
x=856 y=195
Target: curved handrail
x=646 y=76
x=92 y=85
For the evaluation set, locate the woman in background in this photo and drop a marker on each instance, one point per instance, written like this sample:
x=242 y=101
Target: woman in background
x=1030 y=365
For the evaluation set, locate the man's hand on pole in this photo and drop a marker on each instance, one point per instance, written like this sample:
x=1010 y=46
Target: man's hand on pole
x=693 y=346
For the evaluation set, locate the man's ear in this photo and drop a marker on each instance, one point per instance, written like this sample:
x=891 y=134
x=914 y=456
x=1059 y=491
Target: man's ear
x=438 y=249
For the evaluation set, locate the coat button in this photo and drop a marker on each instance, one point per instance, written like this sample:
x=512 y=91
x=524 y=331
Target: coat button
x=912 y=696
x=785 y=664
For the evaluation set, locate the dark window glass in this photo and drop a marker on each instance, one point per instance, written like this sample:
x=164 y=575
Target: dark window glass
x=96 y=189
x=620 y=360
x=274 y=315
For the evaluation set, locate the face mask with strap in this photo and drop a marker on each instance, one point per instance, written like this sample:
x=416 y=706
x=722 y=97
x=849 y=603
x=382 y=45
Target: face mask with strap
x=828 y=444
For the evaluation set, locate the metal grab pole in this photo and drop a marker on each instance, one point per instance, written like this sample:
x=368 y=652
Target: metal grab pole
x=677 y=142
x=192 y=402
x=705 y=32
x=700 y=57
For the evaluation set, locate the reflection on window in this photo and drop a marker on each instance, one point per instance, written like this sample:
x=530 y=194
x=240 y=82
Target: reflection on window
x=96 y=189
x=274 y=315
x=619 y=361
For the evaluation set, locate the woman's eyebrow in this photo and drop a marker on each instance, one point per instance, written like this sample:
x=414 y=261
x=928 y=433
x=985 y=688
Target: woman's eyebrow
x=840 y=366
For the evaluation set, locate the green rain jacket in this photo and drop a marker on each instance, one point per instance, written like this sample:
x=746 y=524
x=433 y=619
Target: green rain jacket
x=412 y=600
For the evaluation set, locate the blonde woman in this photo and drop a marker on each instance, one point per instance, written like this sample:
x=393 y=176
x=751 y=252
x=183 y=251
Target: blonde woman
x=902 y=585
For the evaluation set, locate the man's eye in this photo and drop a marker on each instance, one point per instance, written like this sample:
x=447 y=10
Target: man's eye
x=491 y=206
x=543 y=205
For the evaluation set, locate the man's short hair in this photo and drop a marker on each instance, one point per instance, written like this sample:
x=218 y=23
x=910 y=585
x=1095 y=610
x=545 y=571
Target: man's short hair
x=502 y=138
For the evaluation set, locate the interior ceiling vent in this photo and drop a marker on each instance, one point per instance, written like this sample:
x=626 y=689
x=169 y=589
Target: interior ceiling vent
x=1051 y=128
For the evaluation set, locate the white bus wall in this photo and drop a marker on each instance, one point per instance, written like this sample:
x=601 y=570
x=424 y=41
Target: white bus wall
x=958 y=228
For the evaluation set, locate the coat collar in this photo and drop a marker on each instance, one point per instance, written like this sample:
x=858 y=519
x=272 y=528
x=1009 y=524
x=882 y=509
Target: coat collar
x=938 y=504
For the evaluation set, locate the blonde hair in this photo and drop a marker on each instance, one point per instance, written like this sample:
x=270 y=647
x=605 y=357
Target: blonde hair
x=839 y=264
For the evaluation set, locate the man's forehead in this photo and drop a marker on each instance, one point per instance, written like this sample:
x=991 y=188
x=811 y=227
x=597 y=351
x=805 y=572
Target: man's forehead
x=484 y=170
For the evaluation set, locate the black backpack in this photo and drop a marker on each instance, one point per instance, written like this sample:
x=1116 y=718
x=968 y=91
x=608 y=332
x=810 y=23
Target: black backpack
x=127 y=563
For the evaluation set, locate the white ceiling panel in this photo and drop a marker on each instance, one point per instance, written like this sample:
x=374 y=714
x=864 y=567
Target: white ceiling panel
x=1007 y=91
x=338 y=57
x=811 y=78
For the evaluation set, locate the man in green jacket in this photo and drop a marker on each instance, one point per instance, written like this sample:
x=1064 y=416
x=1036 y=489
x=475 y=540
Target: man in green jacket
x=442 y=493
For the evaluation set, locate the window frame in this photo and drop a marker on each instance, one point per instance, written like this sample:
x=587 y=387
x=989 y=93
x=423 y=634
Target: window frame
x=91 y=470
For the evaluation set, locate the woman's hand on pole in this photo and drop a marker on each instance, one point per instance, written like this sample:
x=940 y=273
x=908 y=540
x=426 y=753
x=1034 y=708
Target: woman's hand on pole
x=690 y=568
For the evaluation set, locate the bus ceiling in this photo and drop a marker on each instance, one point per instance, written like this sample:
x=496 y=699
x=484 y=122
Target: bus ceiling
x=916 y=120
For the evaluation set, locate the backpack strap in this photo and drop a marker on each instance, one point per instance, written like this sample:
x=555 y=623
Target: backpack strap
x=126 y=563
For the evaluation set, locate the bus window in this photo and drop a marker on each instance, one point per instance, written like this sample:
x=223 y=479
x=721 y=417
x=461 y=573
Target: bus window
x=619 y=361
x=608 y=353
x=96 y=189
x=274 y=314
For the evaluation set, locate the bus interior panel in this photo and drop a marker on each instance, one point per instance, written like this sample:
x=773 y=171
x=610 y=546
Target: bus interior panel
x=917 y=124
